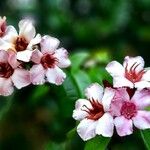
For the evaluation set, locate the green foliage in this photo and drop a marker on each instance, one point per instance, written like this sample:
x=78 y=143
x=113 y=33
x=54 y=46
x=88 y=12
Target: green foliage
x=146 y=138
x=97 y=143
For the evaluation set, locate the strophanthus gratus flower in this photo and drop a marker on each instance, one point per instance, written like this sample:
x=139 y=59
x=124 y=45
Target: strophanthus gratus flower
x=21 y=43
x=48 y=62
x=11 y=73
x=128 y=108
x=130 y=74
x=94 y=112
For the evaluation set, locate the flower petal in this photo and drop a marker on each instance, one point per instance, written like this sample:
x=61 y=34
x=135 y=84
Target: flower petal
x=115 y=69
x=79 y=113
x=94 y=91
x=141 y=98
x=5 y=45
x=86 y=129
x=122 y=82
x=55 y=75
x=62 y=55
x=34 y=41
x=21 y=78
x=24 y=55
x=142 y=84
x=36 y=56
x=123 y=126
x=120 y=96
x=130 y=61
x=107 y=98
x=3 y=56
x=146 y=76
x=10 y=34
x=105 y=125
x=49 y=44
x=37 y=74
x=6 y=87
x=26 y=29
x=142 y=120
x=12 y=59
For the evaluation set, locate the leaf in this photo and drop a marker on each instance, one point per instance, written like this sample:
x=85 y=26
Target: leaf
x=77 y=60
x=97 y=143
x=82 y=81
x=146 y=137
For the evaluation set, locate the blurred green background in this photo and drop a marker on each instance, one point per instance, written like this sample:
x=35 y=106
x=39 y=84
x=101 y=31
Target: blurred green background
x=94 y=32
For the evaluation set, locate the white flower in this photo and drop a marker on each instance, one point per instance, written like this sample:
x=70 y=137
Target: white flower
x=48 y=62
x=22 y=43
x=130 y=74
x=93 y=113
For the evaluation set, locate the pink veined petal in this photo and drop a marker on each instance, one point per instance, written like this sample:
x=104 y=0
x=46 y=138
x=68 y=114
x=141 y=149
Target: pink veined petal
x=130 y=61
x=10 y=34
x=34 y=41
x=62 y=55
x=105 y=125
x=120 y=96
x=115 y=69
x=3 y=56
x=36 y=56
x=94 y=91
x=37 y=74
x=86 y=129
x=146 y=76
x=6 y=87
x=21 y=78
x=107 y=98
x=141 y=98
x=24 y=56
x=122 y=82
x=80 y=106
x=142 y=120
x=55 y=75
x=12 y=59
x=26 y=29
x=142 y=84
x=123 y=126
x=49 y=44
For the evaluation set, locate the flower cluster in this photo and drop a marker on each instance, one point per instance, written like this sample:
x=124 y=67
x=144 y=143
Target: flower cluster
x=121 y=105
x=27 y=57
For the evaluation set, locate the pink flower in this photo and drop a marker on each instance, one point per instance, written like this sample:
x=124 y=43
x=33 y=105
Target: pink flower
x=93 y=112
x=48 y=62
x=22 y=43
x=129 y=111
x=131 y=74
x=2 y=26
x=11 y=74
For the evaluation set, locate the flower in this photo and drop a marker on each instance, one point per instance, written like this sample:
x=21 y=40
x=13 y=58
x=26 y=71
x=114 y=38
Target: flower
x=129 y=111
x=21 y=43
x=11 y=73
x=48 y=62
x=131 y=74
x=2 y=26
x=93 y=112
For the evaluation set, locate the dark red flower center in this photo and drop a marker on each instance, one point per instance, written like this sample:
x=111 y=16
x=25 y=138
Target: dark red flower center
x=128 y=110
x=20 y=44
x=48 y=61
x=132 y=74
x=5 y=70
x=96 y=112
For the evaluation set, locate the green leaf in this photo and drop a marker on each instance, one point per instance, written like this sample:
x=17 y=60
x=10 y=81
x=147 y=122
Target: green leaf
x=82 y=81
x=146 y=137
x=77 y=60
x=97 y=143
